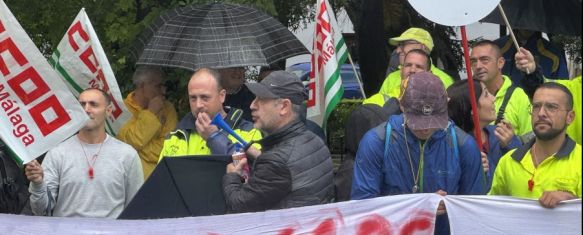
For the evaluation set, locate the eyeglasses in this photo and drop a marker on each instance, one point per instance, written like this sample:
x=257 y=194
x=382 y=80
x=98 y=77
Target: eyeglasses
x=550 y=108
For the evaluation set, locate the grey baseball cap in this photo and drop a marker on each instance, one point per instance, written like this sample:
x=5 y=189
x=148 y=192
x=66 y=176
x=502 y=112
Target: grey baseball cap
x=425 y=102
x=280 y=84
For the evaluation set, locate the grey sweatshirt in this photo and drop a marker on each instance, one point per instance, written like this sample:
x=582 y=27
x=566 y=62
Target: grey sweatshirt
x=68 y=191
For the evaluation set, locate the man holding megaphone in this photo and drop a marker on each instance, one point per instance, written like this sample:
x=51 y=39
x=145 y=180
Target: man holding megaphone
x=294 y=168
x=195 y=134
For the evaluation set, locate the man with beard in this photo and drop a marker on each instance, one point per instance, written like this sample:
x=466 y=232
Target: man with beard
x=548 y=167
x=294 y=168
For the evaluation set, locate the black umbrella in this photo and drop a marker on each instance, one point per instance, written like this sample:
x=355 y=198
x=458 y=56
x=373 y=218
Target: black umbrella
x=217 y=35
x=549 y=16
x=181 y=187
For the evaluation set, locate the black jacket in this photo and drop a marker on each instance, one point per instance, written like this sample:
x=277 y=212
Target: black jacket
x=294 y=169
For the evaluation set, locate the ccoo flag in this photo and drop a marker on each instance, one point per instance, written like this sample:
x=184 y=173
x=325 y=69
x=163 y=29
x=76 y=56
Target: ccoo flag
x=81 y=62
x=328 y=54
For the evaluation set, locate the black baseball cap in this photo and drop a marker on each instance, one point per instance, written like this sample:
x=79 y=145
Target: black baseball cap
x=280 y=84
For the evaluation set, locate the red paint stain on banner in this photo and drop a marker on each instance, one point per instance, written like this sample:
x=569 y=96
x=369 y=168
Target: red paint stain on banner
x=374 y=224
x=286 y=231
x=328 y=227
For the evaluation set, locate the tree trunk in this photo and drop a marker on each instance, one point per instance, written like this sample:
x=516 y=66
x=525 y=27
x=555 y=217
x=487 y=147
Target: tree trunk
x=372 y=42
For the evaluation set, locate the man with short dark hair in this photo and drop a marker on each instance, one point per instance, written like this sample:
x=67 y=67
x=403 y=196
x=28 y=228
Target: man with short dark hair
x=90 y=174
x=153 y=117
x=487 y=62
x=294 y=168
x=547 y=168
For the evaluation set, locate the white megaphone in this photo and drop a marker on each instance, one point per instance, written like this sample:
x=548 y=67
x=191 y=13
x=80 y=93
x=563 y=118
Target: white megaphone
x=219 y=122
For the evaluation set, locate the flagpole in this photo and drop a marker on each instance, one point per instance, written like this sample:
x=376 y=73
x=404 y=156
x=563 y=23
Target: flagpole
x=472 y=91
x=356 y=75
x=510 y=29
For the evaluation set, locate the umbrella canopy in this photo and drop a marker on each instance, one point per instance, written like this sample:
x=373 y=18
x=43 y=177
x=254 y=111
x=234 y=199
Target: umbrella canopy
x=556 y=17
x=181 y=187
x=217 y=35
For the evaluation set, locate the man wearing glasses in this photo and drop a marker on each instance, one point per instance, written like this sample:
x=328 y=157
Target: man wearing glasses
x=548 y=167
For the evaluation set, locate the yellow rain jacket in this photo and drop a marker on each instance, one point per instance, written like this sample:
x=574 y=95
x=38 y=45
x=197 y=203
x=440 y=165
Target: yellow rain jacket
x=392 y=84
x=186 y=141
x=517 y=108
x=574 y=85
x=146 y=133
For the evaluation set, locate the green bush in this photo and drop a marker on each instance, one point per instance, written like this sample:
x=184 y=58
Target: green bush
x=337 y=122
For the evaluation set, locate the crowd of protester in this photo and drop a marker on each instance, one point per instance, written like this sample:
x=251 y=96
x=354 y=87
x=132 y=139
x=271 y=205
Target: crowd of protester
x=416 y=135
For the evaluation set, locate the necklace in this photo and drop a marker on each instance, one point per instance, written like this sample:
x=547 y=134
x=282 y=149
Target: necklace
x=93 y=157
x=415 y=177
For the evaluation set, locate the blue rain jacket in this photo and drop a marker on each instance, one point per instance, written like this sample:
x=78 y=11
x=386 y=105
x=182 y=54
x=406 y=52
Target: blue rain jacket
x=376 y=175
x=379 y=173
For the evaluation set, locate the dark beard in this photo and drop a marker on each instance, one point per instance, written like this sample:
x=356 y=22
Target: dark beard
x=551 y=134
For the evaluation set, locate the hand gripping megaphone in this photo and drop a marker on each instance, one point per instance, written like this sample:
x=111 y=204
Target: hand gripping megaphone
x=219 y=122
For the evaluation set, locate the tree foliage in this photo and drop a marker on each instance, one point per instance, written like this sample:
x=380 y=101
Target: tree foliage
x=119 y=22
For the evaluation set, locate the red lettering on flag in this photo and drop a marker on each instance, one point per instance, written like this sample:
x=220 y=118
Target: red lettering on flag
x=77 y=28
x=311 y=94
x=8 y=45
x=323 y=32
x=89 y=60
x=50 y=103
x=30 y=74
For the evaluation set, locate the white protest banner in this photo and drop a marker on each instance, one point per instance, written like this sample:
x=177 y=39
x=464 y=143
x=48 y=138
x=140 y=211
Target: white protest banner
x=82 y=63
x=508 y=215
x=402 y=214
x=37 y=110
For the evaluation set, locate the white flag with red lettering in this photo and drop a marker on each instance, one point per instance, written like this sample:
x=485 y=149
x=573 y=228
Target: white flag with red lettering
x=37 y=111
x=82 y=64
x=328 y=54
